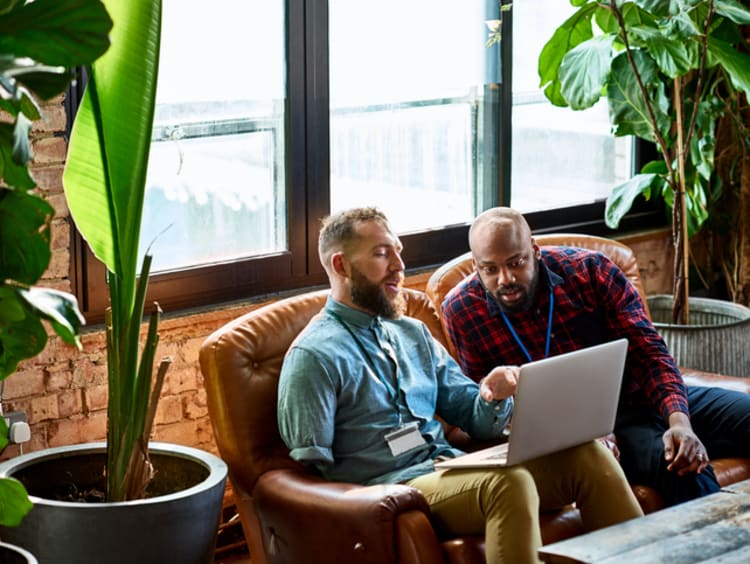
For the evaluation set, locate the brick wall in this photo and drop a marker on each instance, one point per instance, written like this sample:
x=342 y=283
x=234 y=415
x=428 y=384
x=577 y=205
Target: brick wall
x=64 y=390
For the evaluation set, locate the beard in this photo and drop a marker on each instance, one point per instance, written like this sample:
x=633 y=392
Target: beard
x=528 y=293
x=372 y=297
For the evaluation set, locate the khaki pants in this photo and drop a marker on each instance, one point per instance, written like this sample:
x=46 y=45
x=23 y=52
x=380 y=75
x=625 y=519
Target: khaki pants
x=504 y=503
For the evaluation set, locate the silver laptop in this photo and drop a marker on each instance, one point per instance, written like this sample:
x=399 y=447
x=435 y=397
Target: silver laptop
x=560 y=402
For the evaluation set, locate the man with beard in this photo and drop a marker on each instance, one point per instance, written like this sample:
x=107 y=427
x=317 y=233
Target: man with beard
x=361 y=386
x=524 y=303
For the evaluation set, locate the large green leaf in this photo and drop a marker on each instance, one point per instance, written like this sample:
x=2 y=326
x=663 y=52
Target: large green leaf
x=57 y=32
x=671 y=54
x=105 y=175
x=627 y=105
x=733 y=10
x=15 y=502
x=621 y=198
x=14 y=173
x=584 y=71
x=22 y=334
x=59 y=308
x=574 y=31
x=24 y=236
x=736 y=63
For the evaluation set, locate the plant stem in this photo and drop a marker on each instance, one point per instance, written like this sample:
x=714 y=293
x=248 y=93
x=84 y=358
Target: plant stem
x=680 y=308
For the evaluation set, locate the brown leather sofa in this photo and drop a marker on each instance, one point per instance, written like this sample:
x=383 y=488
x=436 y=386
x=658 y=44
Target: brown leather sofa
x=291 y=515
x=728 y=470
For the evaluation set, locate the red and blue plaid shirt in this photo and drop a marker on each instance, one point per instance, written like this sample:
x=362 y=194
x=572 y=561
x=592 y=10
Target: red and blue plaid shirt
x=594 y=302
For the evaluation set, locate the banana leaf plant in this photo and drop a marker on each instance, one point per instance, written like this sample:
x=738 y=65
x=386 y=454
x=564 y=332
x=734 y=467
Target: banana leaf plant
x=40 y=43
x=669 y=69
x=105 y=181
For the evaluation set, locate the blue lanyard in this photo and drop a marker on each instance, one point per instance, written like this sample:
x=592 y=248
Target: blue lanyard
x=549 y=329
x=391 y=354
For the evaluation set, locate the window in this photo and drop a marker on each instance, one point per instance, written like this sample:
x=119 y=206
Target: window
x=272 y=114
x=560 y=157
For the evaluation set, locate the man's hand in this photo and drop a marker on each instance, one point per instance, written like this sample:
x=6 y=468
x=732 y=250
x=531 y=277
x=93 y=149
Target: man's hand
x=682 y=448
x=500 y=383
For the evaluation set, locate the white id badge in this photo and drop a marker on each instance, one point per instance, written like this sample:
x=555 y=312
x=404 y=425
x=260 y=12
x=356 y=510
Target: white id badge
x=405 y=438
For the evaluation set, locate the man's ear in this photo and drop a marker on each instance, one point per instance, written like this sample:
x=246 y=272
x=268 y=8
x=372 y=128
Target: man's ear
x=537 y=252
x=337 y=262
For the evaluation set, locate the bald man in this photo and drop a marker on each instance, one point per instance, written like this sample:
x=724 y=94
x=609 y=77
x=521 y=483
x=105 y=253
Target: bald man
x=524 y=303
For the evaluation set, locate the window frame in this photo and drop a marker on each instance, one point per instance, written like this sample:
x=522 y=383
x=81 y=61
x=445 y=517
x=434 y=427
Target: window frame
x=307 y=162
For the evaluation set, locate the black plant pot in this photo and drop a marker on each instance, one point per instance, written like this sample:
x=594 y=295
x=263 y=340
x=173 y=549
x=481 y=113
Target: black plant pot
x=10 y=554
x=177 y=523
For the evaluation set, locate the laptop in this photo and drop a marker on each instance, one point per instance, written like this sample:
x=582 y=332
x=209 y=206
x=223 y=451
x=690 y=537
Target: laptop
x=560 y=402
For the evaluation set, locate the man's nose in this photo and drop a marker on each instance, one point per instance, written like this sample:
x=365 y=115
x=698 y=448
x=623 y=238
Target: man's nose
x=505 y=276
x=397 y=264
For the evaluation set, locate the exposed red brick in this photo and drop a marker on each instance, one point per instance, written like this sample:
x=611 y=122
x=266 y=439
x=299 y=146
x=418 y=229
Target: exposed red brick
x=53 y=119
x=69 y=403
x=95 y=397
x=23 y=384
x=49 y=150
x=78 y=430
x=49 y=179
x=169 y=410
x=179 y=381
x=195 y=405
x=58 y=379
x=43 y=408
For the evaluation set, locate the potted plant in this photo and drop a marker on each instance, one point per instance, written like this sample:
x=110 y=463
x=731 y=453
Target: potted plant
x=669 y=71
x=31 y=70
x=160 y=502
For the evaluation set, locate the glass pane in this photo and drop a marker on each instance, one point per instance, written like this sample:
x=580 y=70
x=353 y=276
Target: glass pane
x=216 y=177
x=560 y=157
x=406 y=89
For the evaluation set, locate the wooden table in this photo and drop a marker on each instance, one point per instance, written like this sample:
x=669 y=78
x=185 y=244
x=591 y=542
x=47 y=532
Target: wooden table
x=714 y=528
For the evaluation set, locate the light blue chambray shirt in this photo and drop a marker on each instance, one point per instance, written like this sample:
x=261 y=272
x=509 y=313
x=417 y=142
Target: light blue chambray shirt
x=337 y=397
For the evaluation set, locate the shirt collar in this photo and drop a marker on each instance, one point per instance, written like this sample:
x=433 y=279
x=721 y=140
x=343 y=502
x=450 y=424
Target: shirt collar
x=353 y=317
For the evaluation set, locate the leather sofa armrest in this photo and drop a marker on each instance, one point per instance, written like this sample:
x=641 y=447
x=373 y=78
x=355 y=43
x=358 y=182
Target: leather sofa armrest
x=305 y=518
x=695 y=377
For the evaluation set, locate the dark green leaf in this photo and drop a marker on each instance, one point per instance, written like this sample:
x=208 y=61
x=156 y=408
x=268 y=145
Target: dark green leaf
x=733 y=10
x=25 y=235
x=3 y=433
x=584 y=70
x=20 y=337
x=671 y=55
x=28 y=107
x=661 y=8
x=622 y=197
x=655 y=167
x=627 y=106
x=574 y=31
x=60 y=309
x=57 y=32
x=736 y=64
x=47 y=84
x=15 y=175
x=15 y=502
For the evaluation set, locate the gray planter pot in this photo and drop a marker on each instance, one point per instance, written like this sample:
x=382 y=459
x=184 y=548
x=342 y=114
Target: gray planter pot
x=10 y=554
x=716 y=339
x=171 y=526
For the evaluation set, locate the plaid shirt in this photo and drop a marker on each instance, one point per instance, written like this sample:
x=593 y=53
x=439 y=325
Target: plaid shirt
x=594 y=302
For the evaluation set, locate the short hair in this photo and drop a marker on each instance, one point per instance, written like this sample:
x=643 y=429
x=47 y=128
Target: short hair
x=338 y=230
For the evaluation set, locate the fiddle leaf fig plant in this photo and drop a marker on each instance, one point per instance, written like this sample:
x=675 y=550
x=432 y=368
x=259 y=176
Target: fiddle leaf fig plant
x=41 y=42
x=105 y=185
x=669 y=71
